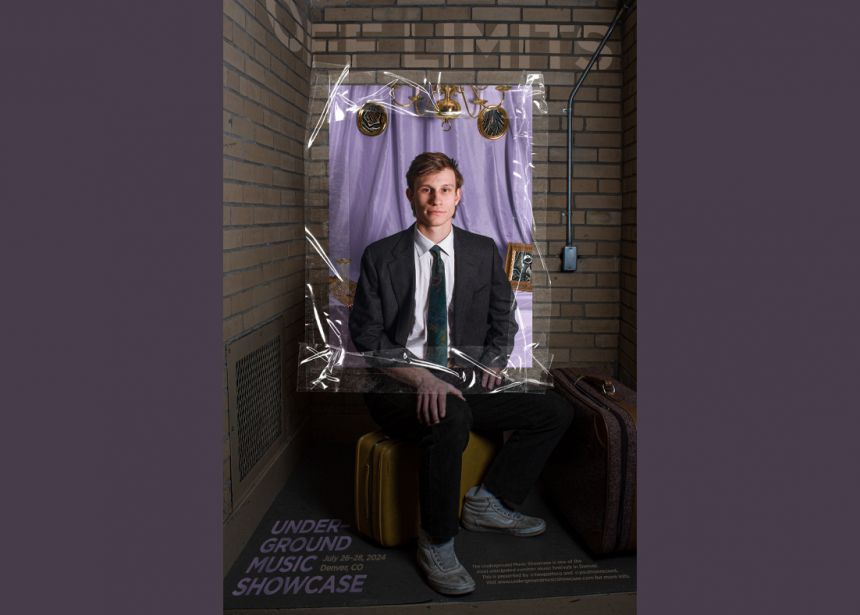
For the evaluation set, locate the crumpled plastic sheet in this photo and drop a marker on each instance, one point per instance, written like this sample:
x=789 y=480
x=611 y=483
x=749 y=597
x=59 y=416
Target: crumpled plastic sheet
x=328 y=361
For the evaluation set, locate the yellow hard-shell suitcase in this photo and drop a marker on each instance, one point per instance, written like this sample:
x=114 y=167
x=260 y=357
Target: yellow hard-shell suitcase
x=386 y=483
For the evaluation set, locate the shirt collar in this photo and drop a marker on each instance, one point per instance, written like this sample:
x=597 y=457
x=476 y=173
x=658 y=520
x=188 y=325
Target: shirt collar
x=423 y=244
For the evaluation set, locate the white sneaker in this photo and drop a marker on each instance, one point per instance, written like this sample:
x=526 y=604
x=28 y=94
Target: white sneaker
x=443 y=570
x=488 y=514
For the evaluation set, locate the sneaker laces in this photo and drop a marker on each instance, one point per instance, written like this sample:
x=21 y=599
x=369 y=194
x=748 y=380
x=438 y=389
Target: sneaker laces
x=444 y=556
x=500 y=508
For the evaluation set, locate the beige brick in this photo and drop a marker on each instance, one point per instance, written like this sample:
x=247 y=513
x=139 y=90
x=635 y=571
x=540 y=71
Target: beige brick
x=608 y=280
x=232 y=327
x=609 y=185
x=560 y=325
x=348 y=30
x=610 y=94
x=601 y=310
x=574 y=280
x=397 y=14
x=422 y=29
x=400 y=45
x=602 y=265
x=376 y=60
x=606 y=341
x=449 y=45
x=608 y=248
x=596 y=325
x=494 y=45
x=348 y=14
x=602 y=124
x=597 y=233
x=554 y=15
x=497 y=14
x=587 y=357
x=598 y=140
x=560 y=295
x=605 y=218
x=231 y=78
x=449 y=14
x=535 y=31
x=609 y=155
x=596 y=170
x=561 y=356
x=232 y=239
x=459 y=29
x=597 y=109
x=557 y=46
x=572 y=310
x=256 y=72
x=475 y=61
x=496 y=30
x=569 y=31
x=351 y=45
x=227 y=28
x=582 y=154
x=234 y=12
x=234 y=56
x=323 y=30
x=593 y=16
x=499 y=77
x=533 y=62
x=423 y=60
x=386 y=30
x=572 y=340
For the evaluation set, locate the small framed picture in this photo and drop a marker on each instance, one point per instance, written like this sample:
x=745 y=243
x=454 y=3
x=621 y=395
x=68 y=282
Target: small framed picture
x=518 y=265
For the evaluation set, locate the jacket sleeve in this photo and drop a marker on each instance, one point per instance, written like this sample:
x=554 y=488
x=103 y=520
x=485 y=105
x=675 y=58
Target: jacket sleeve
x=366 y=323
x=501 y=316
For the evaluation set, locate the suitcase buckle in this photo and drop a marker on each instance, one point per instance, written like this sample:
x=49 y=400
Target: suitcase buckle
x=608 y=388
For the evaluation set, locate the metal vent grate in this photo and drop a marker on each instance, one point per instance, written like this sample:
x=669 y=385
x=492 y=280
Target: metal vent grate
x=259 y=403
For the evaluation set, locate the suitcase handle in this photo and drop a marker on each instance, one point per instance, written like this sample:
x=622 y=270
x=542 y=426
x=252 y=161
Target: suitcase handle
x=607 y=387
x=603 y=385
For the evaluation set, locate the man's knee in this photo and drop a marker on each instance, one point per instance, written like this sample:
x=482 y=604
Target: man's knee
x=456 y=424
x=555 y=411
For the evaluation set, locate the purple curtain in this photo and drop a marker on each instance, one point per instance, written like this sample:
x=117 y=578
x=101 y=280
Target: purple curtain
x=367 y=182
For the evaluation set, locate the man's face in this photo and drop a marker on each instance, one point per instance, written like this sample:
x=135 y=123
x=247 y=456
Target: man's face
x=435 y=198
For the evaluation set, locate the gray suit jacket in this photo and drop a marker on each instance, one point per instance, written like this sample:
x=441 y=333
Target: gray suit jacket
x=482 y=316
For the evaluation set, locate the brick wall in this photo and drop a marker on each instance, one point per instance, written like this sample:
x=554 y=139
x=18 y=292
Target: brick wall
x=267 y=59
x=627 y=345
x=490 y=42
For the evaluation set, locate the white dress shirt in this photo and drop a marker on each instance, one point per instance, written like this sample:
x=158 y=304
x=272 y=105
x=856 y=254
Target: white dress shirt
x=417 y=340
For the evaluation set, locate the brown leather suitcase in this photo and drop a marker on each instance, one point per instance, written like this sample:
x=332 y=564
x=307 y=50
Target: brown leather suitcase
x=591 y=476
x=386 y=483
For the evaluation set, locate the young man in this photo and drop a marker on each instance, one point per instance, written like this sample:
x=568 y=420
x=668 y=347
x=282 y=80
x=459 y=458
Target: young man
x=422 y=292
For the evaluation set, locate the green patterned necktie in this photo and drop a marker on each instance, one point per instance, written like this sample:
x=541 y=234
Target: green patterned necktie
x=437 y=312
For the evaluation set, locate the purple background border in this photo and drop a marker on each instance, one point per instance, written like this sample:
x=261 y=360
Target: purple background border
x=111 y=191
x=110 y=184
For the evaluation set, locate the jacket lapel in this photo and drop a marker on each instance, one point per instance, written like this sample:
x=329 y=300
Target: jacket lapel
x=465 y=269
x=401 y=269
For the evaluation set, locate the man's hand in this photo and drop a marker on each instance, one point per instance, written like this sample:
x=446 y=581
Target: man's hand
x=491 y=379
x=430 y=391
x=432 y=395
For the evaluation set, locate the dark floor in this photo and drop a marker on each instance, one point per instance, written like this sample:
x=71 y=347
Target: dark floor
x=331 y=565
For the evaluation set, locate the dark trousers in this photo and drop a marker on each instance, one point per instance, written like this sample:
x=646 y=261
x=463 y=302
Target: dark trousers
x=538 y=421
